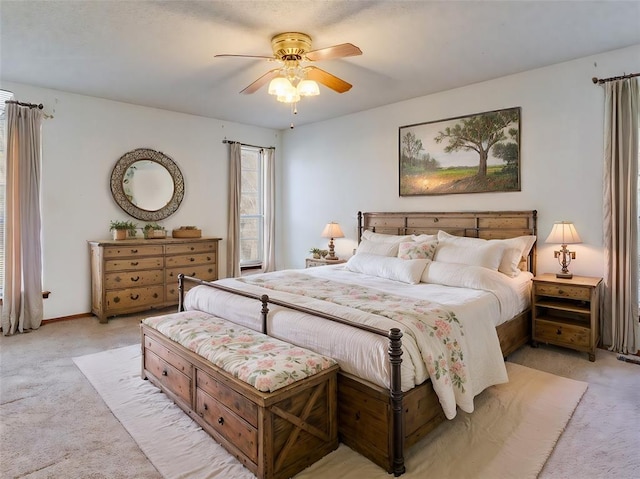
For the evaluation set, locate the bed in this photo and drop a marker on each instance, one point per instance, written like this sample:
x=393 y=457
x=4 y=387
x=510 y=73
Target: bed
x=391 y=390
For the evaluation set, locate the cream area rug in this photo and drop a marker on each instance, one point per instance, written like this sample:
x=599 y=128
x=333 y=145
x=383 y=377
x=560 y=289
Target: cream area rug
x=511 y=434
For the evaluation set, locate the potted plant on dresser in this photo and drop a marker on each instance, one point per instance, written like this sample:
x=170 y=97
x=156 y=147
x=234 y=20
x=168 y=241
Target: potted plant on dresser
x=123 y=229
x=154 y=230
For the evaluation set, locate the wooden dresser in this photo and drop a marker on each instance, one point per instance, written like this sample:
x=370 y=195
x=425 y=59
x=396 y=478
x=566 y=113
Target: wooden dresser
x=134 y=275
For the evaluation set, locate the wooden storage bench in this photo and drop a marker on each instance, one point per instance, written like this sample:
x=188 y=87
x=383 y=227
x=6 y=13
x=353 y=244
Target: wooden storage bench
x=216 y=375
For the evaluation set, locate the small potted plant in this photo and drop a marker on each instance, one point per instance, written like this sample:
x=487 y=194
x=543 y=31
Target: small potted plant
x=123 y=229
x=154 y=230
x=323 y=253
x=316 y=252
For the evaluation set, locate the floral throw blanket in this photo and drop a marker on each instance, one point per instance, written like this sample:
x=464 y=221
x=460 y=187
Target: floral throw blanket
x=437 y=332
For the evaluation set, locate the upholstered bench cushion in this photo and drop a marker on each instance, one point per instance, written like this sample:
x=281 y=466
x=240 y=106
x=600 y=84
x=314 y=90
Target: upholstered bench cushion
x=264 y=362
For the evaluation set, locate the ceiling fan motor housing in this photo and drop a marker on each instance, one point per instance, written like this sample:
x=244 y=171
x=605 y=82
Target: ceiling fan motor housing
x=291 y=45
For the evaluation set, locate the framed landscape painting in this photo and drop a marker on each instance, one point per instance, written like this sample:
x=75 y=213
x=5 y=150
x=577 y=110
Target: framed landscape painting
x=469 y=154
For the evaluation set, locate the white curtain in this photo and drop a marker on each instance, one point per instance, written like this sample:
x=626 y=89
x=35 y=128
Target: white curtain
x=22 y=290
x=233 y=227
x=269 y=256
x=620 y=311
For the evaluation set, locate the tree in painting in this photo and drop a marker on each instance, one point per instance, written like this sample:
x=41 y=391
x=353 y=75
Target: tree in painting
x=479 y=133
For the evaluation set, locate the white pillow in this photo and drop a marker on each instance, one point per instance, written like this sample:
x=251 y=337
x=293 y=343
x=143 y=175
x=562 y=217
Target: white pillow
x=421 y=238
x=413 y=250
x=383 y=238
x=470 y=251
x=514 y=249
x=377 y=248
x=396 y=269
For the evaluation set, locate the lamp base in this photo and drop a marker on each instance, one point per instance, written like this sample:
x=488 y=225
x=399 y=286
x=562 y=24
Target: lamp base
x=564 y=275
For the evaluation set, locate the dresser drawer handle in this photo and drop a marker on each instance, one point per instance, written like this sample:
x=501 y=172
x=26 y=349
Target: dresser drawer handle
x=192 y=248
x=137 y=278
x=193 y=274
x=559 y=331
x=164 y=372
x=206 y=407
x=155 y=295
x=192 y=259
x=134 y=296
x=221 y=421
x=135 y=263
x=134 y=251
x=560 y=291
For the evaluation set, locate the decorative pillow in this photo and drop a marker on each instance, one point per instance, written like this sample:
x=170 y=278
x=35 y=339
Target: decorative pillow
x=396 y=269
x=470 y=251
x=377 y=248
x=413 y=250
x=383 y=238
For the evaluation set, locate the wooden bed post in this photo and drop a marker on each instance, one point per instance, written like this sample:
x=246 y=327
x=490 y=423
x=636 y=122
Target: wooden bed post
x=180 y=292
x=395 y=358
x=264 y=312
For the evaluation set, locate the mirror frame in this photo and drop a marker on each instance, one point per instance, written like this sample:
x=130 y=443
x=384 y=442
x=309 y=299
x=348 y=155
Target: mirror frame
x=117 y=188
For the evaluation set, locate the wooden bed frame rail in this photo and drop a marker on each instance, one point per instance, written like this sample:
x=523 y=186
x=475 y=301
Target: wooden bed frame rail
x=395 y=354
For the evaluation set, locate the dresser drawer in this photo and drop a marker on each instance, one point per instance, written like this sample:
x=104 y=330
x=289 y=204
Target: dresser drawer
x=206 y=272
x=235 y=431
x=132 y=250
x=169 y=356
x=171 y=294
x=129 y=279
x=563 y=291
x=168 y=376
x=236 y=402
x=190 y=259
x=134 y=297
x=560 y=333
x=186 y=248
x=132 y=264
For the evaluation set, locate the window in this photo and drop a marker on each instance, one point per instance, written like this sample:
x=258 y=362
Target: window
x=4 y=95
x=251 y=208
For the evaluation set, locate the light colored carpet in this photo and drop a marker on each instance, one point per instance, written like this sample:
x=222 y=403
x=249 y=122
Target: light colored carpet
x=511 y=433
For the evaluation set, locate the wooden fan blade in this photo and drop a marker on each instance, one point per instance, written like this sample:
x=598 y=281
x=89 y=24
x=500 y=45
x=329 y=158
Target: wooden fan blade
x=328 y=80
x=336 y=51
x=243 y=56
x=255 y=86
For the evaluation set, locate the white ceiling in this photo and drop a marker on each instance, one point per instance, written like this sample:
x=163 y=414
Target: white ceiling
x=161 y=53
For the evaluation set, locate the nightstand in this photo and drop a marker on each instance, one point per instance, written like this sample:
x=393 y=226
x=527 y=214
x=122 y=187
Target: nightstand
x=312 y=262
x=566 y=312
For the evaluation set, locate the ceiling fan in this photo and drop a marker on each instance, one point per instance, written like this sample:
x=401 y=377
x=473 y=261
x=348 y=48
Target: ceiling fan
x=292 y=80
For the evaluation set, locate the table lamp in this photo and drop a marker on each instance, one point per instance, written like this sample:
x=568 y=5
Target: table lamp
x=564 y=233
x=332 y=230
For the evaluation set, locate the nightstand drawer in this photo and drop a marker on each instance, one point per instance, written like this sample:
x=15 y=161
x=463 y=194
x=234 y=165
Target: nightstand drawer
x=563 y=291
x=560 y=333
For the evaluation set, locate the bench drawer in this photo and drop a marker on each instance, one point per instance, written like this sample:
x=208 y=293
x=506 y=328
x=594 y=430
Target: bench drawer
x=178 y=362
x=236 y=431
x=168 y=376
x=236 y=402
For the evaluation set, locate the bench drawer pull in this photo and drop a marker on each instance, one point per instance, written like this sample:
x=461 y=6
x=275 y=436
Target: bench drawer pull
x=164 y=372
x=221 y=421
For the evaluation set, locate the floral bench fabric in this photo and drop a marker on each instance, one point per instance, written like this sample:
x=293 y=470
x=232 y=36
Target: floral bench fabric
x=264 y=362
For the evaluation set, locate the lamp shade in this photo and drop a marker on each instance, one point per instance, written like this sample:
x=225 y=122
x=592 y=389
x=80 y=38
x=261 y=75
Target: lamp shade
x=280 y=86
x=563 y=232
x=332 y=230
x=308 y=88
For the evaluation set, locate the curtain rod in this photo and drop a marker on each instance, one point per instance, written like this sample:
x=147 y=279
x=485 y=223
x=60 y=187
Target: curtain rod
x=605 y=80
x=30 y=105
x=245 y=144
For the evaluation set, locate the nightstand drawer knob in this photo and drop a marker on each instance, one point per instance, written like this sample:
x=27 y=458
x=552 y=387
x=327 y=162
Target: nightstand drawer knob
x=559 y=331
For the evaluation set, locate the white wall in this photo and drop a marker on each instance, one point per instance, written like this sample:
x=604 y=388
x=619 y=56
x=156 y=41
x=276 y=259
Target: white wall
x=327 y=171
x=334 y=168
x=80 y=146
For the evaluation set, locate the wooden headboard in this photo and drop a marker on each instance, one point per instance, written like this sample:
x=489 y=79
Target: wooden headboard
x=474 y=224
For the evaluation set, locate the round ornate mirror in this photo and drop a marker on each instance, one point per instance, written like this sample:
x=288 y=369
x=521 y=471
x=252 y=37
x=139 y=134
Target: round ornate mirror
x=147 y=184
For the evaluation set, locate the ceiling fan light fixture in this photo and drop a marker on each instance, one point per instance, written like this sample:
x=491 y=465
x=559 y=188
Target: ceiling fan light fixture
x=280 y=86
x=289 y=97
x=308 y=88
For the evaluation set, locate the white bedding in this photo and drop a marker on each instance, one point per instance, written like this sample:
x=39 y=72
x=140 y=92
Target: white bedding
x=487 y=299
